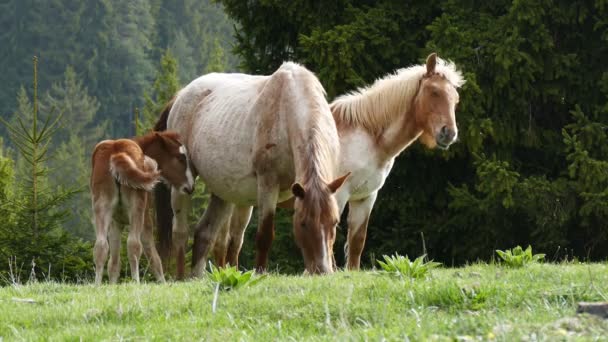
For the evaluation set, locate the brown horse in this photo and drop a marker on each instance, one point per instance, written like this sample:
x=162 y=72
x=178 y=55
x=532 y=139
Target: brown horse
x=124 y=172
x=375 y=124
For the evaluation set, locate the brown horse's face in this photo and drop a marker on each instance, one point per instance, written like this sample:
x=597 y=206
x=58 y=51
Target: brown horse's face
x=314 y=224
x=174 y=165
x=435 y=108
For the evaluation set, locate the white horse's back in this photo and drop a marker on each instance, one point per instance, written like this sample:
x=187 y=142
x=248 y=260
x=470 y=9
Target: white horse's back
x=224 y=132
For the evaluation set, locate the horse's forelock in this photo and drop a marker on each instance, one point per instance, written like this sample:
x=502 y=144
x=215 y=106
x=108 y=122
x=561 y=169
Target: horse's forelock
x=317 y=202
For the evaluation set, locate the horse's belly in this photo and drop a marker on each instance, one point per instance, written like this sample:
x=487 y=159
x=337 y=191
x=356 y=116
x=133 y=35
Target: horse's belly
x=226 y=175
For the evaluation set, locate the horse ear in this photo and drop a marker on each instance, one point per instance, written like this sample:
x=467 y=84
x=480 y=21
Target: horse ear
x=336 y=184
x=161 y=137
x=431 y=62
x=298 y=190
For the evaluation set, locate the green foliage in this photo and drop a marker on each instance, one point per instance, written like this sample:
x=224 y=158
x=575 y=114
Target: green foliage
x=37 y=236
x=518 y=257
x=403 y=267
x=166 y=85
x=230 y=278
x=530 y=165
x=111 y=45
x=217 y=61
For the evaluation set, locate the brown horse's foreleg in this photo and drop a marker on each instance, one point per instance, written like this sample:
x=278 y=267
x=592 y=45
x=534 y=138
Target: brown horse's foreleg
x=358 y=217
x=114 y=263
x=238 y=224
x=136 y=200
x=268 y=195
x=102 y=209
x=150 y=248
x=216 y=214
x=180 y=203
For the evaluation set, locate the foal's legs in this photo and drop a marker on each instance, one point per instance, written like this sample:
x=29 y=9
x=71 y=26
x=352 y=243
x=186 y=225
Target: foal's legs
x=268 y=195
x=149 y=246
x=216 y=214
x=136 y=200
x=180 y=203
x=102 y=209
x=238 y=224
x=115 y=241
x=358 y=217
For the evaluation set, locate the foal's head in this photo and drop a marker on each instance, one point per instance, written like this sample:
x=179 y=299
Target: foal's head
x=314 y=223
x=172 y=159
x=435 y=106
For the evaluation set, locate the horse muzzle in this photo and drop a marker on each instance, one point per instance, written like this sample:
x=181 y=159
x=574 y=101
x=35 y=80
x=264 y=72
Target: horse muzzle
x=446 y=137
x=187 y=189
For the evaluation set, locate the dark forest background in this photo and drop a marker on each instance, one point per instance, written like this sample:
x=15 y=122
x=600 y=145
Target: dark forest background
x=530 y=167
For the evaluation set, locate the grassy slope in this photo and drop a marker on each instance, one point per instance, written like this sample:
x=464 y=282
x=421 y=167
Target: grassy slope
x=478 y=302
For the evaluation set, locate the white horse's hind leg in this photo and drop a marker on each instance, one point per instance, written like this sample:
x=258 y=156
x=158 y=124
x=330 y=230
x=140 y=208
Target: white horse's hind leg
x=180 y=203
x=102 y=209
x=150 y=249
x=114 y=237
x=216 y=214
x=358 y=217
x=238 y=223
x=221 y=242
x=136 y=200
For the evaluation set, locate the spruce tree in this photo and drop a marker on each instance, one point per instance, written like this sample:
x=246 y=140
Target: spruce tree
x=38 y=237
x=166 y=85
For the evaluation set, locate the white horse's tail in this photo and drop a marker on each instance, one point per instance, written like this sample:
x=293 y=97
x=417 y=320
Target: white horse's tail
x=126 y=172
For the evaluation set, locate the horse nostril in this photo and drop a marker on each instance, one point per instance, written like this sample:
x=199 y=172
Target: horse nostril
x=446 y=134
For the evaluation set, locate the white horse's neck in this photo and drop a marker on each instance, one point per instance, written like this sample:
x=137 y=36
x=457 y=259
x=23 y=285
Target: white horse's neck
x=384 y=110
x=316 y=150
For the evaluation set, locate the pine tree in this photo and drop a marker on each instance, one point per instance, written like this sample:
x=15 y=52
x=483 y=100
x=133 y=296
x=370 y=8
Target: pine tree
x=217 y=60
x=38 y=236
x=166 y=85
x=78 y=109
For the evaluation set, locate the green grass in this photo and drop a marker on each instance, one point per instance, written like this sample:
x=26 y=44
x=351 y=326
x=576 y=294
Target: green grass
x=478 y=302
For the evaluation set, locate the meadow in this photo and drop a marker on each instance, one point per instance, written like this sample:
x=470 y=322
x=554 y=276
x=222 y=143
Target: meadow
x=478 y=302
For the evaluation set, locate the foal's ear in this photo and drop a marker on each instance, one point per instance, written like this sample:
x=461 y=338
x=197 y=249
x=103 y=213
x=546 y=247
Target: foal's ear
x=336 y=184
x=159 y=136
x=163 y=139
x=431 y=62
x=298 y=190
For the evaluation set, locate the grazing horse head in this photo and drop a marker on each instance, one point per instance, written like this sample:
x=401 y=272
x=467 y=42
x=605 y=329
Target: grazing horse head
x=435 y=107
x=315 y=219
x=172 y=159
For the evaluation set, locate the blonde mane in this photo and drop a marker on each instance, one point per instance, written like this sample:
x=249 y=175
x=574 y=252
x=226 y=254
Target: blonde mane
x=375 y=107
x=321 y=145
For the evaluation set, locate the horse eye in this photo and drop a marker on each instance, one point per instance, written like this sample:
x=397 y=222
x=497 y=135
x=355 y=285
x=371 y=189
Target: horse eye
x=435 y=93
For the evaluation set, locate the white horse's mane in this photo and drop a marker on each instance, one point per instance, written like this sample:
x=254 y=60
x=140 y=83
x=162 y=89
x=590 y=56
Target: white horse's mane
x=374 y=107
